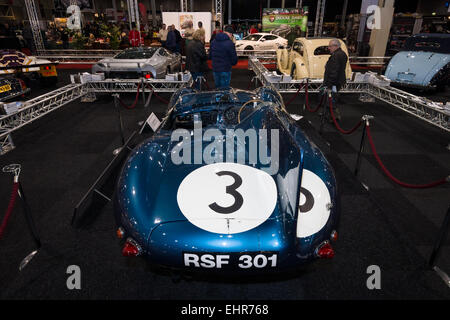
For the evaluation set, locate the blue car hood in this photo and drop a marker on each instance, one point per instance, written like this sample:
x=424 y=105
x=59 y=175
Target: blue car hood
x=415 y=67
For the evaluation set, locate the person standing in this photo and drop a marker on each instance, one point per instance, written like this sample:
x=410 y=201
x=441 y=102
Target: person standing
x=171 y=42
x=334 y=76
x=196 y=57
x=253 y=29
x=188 y=33
x=178 y=39
x=294 y=34
x=134 y=36
x=202 y=30
x=216 y=31
x=163 y=35
x=223 y=55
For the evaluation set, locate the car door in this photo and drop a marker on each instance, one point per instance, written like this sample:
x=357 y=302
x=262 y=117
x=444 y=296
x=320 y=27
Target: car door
x=297 y=50
x=264 y=43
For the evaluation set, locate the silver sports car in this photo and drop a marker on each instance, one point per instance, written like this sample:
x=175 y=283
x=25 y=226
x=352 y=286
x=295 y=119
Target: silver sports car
x=133 y=63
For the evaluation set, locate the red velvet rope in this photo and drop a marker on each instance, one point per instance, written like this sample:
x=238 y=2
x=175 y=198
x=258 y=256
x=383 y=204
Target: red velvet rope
x=307 y=101
x=295 y=96
x=386 y=171
x=160 y=98
x=135 y=100
x=12 y=201
x=330 y=102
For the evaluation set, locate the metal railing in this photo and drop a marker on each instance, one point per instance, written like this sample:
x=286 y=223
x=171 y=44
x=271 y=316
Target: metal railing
x=419 y=107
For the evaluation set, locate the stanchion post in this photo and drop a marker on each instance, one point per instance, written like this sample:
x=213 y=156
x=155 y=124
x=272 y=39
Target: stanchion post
x=116 y=104
x=29 y=217
x=323 y=115
x=143 y=90
x=15 y=169
x=366 y=119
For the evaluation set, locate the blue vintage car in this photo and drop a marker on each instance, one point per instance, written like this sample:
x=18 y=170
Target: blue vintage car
x=424 y=62
x=229 y=183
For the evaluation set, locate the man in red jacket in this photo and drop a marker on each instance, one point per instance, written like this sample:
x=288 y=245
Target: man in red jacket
x=134 y=36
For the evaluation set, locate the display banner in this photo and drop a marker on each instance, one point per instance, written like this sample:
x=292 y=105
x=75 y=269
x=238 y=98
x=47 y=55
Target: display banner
x=280 y=21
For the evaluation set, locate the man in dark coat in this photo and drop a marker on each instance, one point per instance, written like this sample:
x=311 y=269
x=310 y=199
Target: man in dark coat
x=196 y=57
x=171 y=42
x=223 y=55
x=334 y=77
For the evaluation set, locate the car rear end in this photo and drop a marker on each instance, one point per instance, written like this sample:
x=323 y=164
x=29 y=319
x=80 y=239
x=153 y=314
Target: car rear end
x=11 y=87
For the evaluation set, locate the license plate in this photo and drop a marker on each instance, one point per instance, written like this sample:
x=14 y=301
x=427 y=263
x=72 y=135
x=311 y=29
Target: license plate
x=48 y=73
x=5 y=88
x=404 y=76
x=248 y=260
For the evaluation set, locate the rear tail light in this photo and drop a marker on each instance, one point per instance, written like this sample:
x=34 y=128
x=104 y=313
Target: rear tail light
x=325 y=251
x=131 y=248
x=148 y=75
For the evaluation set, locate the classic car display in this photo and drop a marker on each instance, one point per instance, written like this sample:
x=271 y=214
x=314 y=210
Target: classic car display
x=307 y=58
x=132 y=63
x=230 y=183
x=261 y=41
x=43 y=70
x=11 y=87
x=424 y=62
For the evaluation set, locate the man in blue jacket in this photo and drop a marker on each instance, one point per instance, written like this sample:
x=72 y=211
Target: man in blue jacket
x=223 y=55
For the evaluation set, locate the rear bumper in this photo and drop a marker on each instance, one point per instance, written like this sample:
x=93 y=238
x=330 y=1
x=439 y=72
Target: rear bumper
x=412 y=85
x=14 y=95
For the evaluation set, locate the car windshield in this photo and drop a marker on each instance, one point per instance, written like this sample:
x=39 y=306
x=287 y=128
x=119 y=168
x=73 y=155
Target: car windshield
x=136 y=53
x=432 y=44
x=253 y=37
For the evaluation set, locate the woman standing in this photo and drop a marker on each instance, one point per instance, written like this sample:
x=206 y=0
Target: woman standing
x=196 y=57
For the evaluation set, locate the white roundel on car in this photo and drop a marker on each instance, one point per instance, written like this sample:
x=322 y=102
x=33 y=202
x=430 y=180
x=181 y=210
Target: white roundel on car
x=314 y=209
x=227 y=197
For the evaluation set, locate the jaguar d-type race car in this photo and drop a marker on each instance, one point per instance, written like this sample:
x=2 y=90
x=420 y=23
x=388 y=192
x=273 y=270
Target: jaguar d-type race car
x=133 y=63
x=228 y=182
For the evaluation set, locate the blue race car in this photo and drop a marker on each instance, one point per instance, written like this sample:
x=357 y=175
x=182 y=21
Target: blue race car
x=229 y=183
x=423 y=63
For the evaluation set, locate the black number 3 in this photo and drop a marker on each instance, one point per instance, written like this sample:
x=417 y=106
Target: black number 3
x=238 y=200
x=309 y=203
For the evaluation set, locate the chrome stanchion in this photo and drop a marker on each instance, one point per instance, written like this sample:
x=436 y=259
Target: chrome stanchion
x=122 y=137
x=15 y=169
x=365 y=118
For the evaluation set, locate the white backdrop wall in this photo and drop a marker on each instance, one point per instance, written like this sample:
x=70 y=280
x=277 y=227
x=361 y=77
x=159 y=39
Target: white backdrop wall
x=170 y=18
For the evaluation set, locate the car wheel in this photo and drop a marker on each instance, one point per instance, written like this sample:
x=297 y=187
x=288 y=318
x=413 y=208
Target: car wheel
x=248 y=49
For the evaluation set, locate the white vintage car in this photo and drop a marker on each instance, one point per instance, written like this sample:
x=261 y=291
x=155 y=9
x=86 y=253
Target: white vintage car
x=261 y=41
x=307 y=58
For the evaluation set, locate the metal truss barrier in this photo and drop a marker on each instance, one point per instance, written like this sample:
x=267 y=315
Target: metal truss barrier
x=131 y=85
x=410 y=103
x=34 y=109
x=42 y=105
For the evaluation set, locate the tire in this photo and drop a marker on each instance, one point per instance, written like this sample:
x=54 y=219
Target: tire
x=248 y=49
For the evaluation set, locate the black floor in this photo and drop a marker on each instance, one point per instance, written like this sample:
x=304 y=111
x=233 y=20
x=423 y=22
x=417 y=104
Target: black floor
x=388 y=226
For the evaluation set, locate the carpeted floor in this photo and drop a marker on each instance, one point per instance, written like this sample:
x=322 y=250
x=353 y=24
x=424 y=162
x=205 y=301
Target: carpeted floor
x=388 y=226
